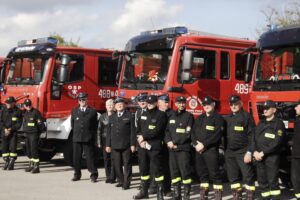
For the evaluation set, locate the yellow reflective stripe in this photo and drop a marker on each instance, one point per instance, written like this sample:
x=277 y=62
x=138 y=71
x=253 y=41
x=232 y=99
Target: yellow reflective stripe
x=35 y=160
x=31 y=159
x=235 y=186
x=204 y=185
x=297 y=195
x=270 y=135
x=13 y=154
x=30 y=124
x=187 y=181
x=210 y=128
x=239 y=128
x=275 y=192
x=151 y=127
x=176 y=180
x=161 y=178
x=180 y=130
x=145 y=178
x=172 y=121
x=14 y=118
x=248 y=187
x=265 y=194
x=218 y=187
x=5 y=154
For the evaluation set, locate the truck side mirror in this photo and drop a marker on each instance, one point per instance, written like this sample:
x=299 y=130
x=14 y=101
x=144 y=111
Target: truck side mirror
x=185 y=76
x=187 y=59
x=62 y=74
x=249 y=67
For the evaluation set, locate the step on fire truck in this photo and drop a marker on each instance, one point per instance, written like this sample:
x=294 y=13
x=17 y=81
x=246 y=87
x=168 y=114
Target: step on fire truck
x=276 y=76
x=52 y=76
x=179 y=61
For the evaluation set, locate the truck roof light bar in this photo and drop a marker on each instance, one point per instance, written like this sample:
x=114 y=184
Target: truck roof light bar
x=46 y=40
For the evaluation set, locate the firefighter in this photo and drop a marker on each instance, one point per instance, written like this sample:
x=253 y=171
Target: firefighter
x=296 y=153
x=101 y=141
x=84 y=126
x=121 y=141
x=238 y=156
x=150 y=135
x=178 y=139
x=268 y=139
x=33 y=125
x=11 y=122
x=163 y=105
x=206 y=138
x=141 y=100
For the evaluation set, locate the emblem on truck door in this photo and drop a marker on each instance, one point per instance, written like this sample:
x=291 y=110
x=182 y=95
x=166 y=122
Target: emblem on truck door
x=73 y=91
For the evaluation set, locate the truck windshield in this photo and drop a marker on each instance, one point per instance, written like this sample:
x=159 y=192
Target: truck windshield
x=26 y=70
x=279 y=65
x=146 y=70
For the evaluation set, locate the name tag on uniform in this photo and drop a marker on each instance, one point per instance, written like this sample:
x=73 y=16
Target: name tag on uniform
x=270 y=135
x=210 y=128
x=144 y=117
x=126 y=119
x=77 y=118
x=180 y=130
x=30 y=124
x=14 y=118
x=239 y=128
x=172 y=121
x=151 y=127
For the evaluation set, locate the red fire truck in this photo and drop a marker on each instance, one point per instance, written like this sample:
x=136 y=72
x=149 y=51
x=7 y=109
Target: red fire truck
x=179 y=61
x=52 y=76
x=276 y=76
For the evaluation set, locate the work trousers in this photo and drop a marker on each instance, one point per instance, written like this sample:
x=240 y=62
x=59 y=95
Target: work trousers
x=9 y=145
x=180 y=166
x=296 y=176
x=32 y=145
x=122 y=157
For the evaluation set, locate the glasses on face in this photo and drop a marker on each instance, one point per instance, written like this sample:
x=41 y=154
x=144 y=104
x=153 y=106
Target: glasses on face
x=82 y=100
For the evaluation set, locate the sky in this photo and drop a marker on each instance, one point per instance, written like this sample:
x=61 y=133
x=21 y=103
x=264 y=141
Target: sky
x=111 y=23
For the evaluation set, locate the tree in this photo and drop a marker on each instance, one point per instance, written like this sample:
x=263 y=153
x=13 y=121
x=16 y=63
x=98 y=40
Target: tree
x=290 y=15
x=62 y=41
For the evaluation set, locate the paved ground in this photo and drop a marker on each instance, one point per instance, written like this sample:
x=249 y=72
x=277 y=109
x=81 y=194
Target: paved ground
x=54 y=183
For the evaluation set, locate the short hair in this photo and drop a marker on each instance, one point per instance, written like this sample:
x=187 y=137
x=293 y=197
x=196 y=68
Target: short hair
x=109 y=101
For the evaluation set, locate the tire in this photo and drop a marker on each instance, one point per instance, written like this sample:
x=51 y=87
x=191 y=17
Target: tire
x=67 y=150
x=46 y=155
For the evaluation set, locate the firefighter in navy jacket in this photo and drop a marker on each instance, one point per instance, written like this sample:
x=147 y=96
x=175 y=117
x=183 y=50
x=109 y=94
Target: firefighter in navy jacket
x=84 y=125
x=296 y=153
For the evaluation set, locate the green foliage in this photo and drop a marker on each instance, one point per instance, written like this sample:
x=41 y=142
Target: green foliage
x=63 y=42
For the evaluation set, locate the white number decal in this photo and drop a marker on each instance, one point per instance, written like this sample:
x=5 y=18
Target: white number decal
x=241 y=88
x=107 y=93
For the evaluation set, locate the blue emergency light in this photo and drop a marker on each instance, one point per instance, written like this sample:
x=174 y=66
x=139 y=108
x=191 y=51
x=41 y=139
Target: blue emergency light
x=47 y=40
x=178 y=30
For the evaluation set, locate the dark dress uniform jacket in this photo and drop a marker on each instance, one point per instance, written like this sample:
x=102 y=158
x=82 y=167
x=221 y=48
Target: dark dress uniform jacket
x=33 y=121
x=121 y=131
x=269 y=136
x=84 y=124
x=208 y=130
x=240 y=129
x=151 y=126
x=296 y=139
x=103 y=129
x=179 y=130
x=11 y=118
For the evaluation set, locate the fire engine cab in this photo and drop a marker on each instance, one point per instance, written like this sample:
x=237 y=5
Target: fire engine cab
x=179 y=61
x=52 y=76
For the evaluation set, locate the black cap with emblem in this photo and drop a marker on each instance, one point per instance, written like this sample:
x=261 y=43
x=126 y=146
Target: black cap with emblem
x=234 y=98
x=207 y=101
x=27 y=102
x=180 y=99
x=119 y=100
x=10 y=100
x=151 y=99
x=82 y=95
x=141 y=97
x=164 y=97
x=269 y=104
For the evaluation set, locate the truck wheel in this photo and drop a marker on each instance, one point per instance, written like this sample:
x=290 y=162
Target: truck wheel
x=47 y=150
x=46 y=155
x=68 y=151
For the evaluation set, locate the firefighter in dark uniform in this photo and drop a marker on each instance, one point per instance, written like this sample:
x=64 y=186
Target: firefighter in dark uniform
x=206 y=138
x=11 y=122
x=178 y=139
x=33 y=125
x=121 y=140
x=101 y=141
x=141 y=100
x=84 y=126
x=296 y=153
x=150 y=135
x=163 y=105
x=238 y=156
x=268 y=139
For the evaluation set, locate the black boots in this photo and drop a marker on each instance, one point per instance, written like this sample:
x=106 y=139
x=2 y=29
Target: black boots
x=186 y=192
x=160 y=190
x=30 y=167
x=36 y=168
x=203 y=193
x=176 y=191
x=6 y=159
x=143 y=193
x=11 y=163
x=237 y=194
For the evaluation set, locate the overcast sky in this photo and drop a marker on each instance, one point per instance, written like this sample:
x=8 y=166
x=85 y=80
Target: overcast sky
x=110 y=23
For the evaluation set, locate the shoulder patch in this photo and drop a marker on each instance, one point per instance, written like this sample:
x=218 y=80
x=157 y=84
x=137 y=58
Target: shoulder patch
x=279 y=132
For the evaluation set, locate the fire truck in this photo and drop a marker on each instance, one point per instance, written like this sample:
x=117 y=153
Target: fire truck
x=180 y=61
x=52 y=76
x=276 y=76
